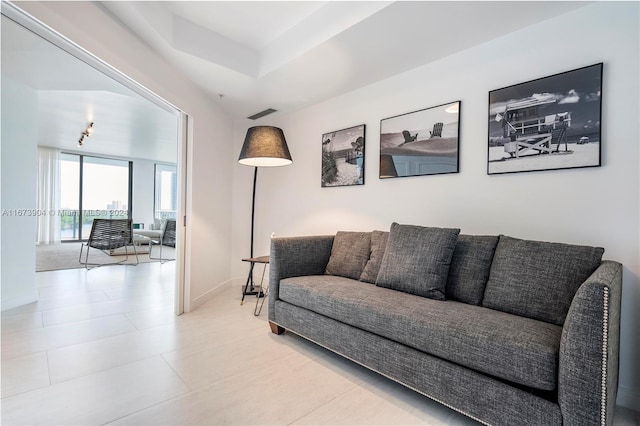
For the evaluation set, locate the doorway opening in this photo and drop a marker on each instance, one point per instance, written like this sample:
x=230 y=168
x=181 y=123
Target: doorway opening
x=135 y=134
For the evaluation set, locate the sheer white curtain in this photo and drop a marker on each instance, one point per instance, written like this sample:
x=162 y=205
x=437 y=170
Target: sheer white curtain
x=48 y=202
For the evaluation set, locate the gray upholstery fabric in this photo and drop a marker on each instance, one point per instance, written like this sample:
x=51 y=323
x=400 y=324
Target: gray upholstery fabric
x=472 y=393
x=456 y=382
x=580 y=376
x=349 y=254
x=537 y=279
x=295 y=257
x=470 y=266
x=378 y=246
x=417 y=260
x=513 y=348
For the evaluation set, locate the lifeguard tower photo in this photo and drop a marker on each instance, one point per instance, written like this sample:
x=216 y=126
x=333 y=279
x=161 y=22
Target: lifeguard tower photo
x=544 y=124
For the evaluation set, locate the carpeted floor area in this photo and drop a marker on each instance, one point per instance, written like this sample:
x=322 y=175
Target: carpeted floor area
x=65 y=256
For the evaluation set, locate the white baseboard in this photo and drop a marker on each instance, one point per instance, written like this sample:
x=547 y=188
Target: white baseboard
x=233 y=282
x=200 y=300
x=628 y=397
x=14 y=302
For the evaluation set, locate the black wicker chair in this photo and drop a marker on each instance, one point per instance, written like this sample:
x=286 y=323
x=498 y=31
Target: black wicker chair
x=109 y=234
x=168 y=239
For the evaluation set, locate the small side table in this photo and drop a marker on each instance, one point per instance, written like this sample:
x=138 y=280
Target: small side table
x=250 y=289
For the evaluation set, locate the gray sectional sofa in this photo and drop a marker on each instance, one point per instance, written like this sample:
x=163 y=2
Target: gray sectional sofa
x=503 y=330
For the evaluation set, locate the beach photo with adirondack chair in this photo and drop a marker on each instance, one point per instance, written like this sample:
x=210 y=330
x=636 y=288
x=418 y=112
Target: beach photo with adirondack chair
x=423 y=142
x=343 y=157
x=548 y=123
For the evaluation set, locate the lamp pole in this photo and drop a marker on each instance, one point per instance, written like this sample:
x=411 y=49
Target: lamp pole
x=249 y=288
x=253 y=206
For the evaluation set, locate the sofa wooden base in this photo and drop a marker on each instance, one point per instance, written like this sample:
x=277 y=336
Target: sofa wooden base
x=275 y=328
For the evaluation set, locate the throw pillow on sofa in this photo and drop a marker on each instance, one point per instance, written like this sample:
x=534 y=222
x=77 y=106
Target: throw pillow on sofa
x=470 y=266
x=537 y=279
x=349 y=254
x=417 y=260
x=378 y=246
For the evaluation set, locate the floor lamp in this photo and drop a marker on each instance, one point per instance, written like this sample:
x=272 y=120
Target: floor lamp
x=264 y=146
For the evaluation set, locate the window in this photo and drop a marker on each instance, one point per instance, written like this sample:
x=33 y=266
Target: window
x=92 y=187
x=166 y=191
x=69 y=197
x=105 y=190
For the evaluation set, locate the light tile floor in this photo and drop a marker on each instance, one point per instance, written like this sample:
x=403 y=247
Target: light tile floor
x=103 y=347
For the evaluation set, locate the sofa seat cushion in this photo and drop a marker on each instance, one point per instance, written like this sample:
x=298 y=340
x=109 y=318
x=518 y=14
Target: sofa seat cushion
x=517 y=349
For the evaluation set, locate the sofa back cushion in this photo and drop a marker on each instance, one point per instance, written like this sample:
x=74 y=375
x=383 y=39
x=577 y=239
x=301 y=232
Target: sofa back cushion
x=417 y=260
x=349 y=254
x=470 y=266
x=379 y=241
x=537 y=279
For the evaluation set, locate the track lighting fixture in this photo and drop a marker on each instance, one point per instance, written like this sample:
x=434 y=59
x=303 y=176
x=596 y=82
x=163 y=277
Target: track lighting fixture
x=85 y=134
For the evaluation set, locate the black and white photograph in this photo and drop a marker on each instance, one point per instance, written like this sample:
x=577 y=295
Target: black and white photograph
x=343 y=157
x=424 y=142
x=546 y=124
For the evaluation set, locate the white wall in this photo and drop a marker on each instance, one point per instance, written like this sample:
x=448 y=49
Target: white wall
x=209 y=216
x=19 y=168
x=595 y=206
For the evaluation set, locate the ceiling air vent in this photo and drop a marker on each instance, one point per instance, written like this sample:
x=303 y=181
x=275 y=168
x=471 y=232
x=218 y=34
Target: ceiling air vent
x=262 y=114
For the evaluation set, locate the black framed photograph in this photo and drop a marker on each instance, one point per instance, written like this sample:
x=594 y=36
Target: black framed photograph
x=343 y=157
x=547 y=124
x=424 y=142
